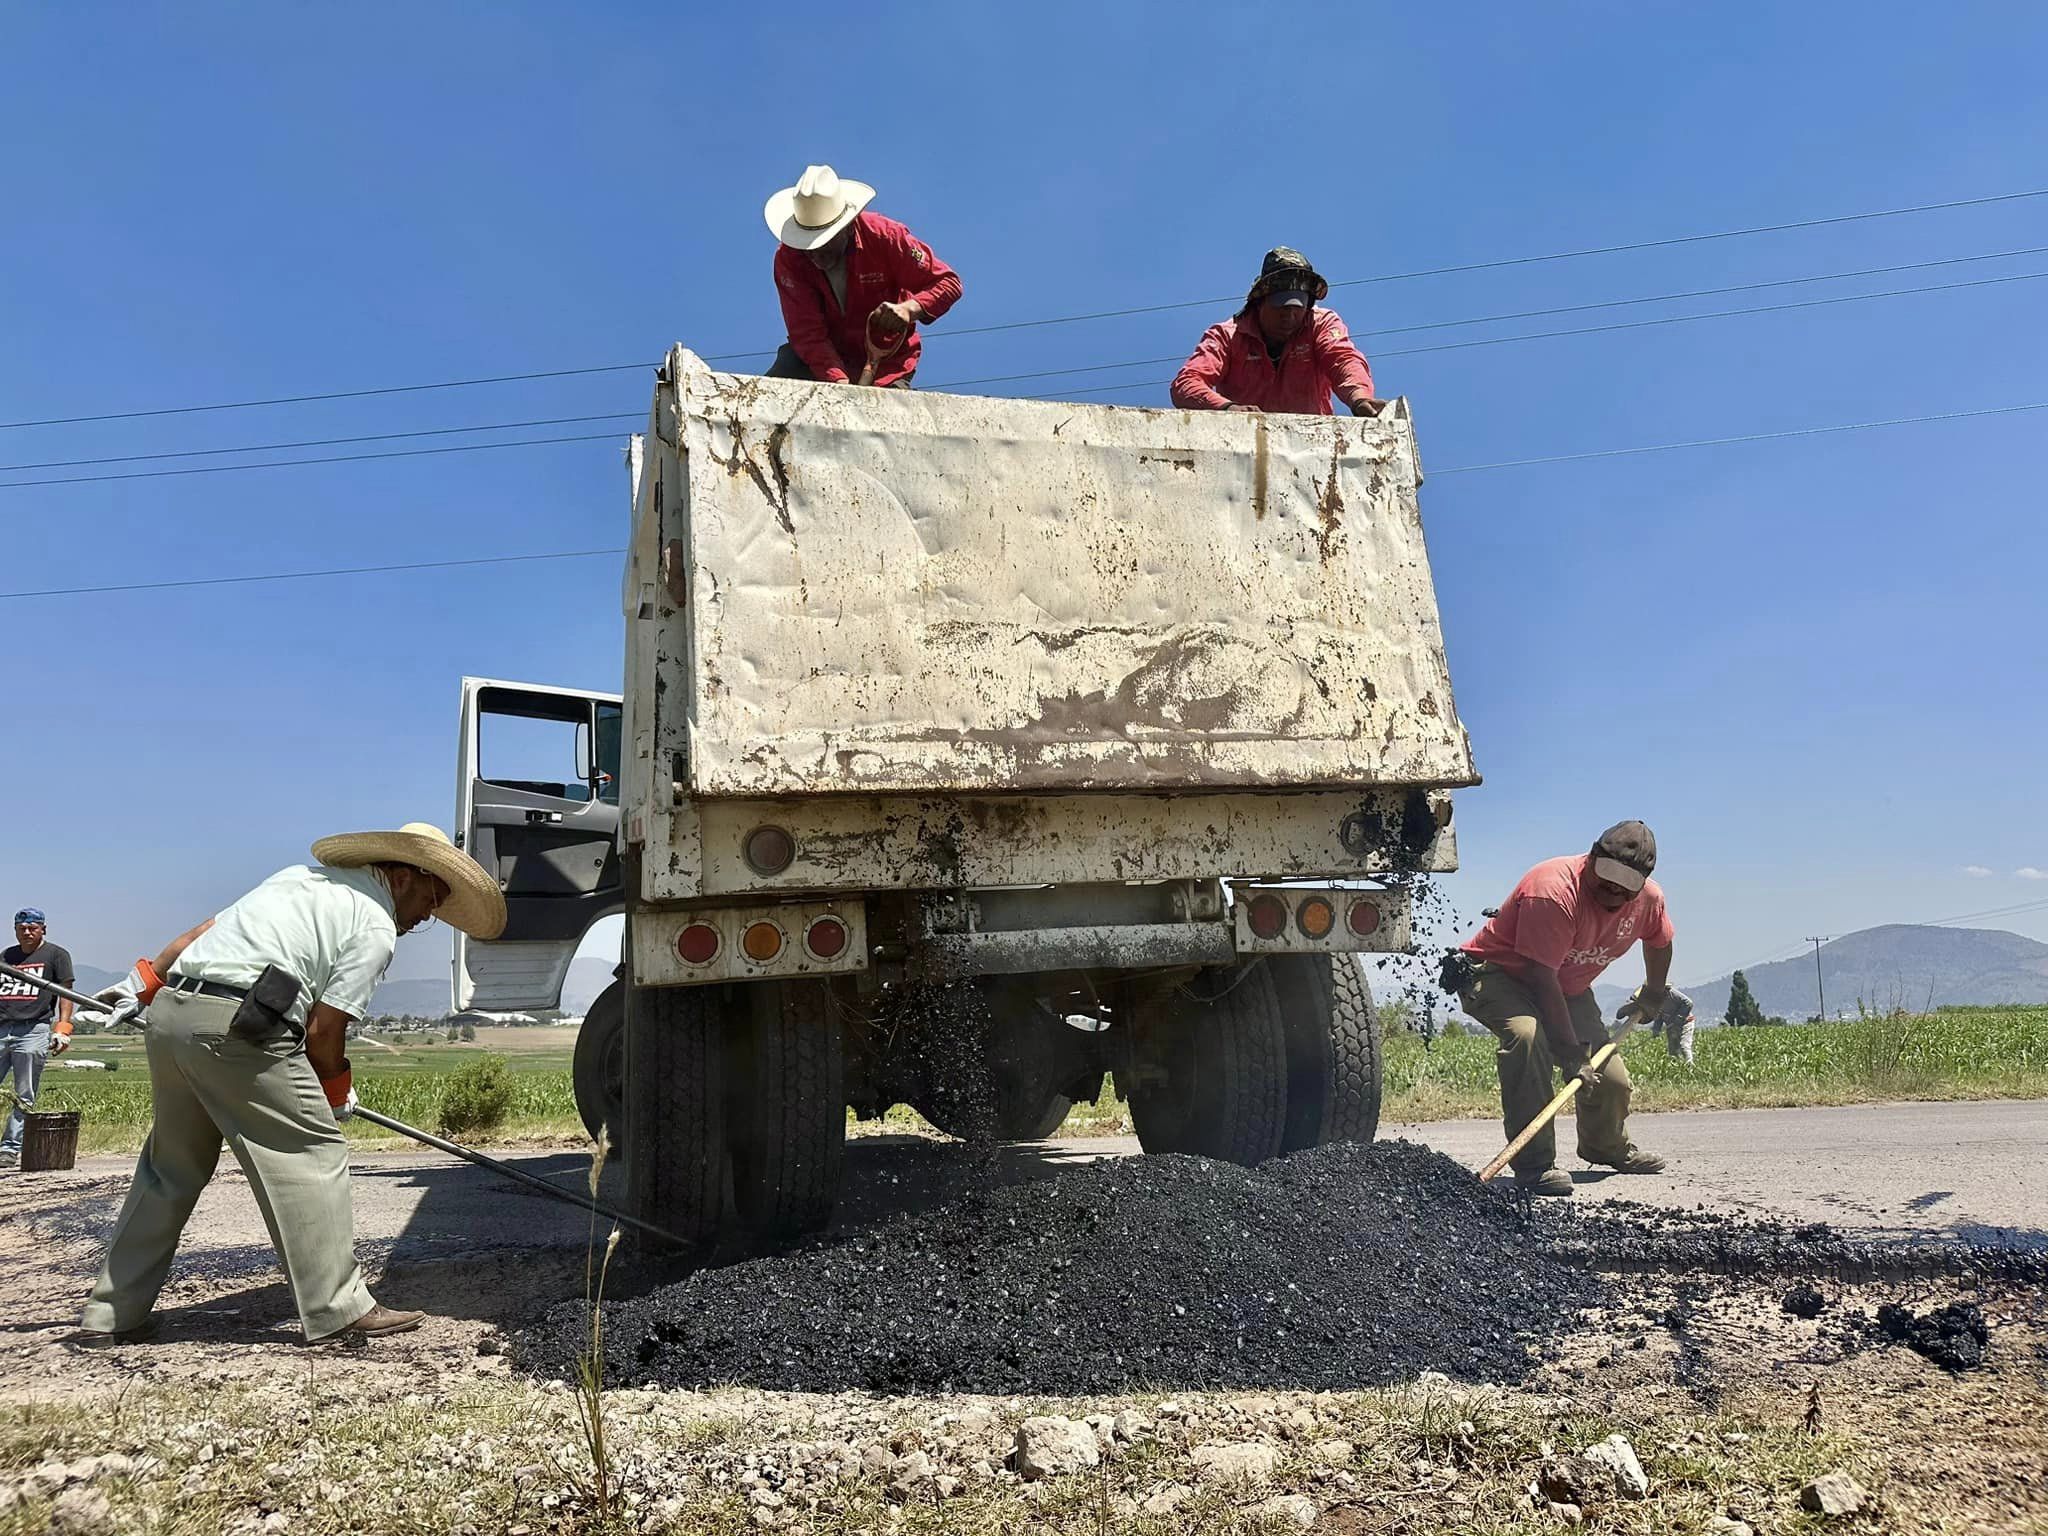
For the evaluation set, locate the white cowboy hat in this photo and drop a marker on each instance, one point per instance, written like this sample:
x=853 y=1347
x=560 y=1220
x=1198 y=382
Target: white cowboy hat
x=805 y=216
x=474 y=904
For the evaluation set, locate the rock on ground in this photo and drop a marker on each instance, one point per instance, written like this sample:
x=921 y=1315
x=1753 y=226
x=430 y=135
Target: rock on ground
x=1245 y=1462
x=1618 y=1458
x=1053 y=1447
x=1292 y=1507
x=1340 y=1267
x=1835 y=1494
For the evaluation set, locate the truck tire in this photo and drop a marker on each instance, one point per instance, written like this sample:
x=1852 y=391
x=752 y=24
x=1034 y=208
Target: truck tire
x=1210 y=1068
x=1333 y=1050
x=786 y=1109
x=675 y=1112
x=598 y=1069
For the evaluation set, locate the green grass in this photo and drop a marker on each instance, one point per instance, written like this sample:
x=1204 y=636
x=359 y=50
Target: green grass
x=1958 y=1053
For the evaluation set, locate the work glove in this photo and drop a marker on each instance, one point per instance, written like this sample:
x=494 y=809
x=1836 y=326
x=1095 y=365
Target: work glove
x=1367 y=407
x=122 y=1001
x=340 y=1089
x=60 y=1041
x=345 y=1108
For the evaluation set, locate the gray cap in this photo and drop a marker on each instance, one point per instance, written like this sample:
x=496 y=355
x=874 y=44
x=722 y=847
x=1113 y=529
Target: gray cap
x=1626 y=854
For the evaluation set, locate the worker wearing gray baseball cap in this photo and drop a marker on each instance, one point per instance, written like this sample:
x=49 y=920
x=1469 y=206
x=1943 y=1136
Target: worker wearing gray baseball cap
x=1530 y=981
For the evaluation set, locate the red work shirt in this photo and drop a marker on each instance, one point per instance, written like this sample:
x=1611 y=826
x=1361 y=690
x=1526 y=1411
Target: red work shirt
x=1554 y=919
x=885 y=264
x=1231 y=367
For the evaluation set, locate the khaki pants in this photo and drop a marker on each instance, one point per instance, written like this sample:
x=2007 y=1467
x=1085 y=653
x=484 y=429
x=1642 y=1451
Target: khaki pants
x=1508 y=1008
x=265 y=1101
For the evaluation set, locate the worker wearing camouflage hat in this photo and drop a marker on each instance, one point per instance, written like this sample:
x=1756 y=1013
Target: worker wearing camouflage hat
x=246 y=1025
x=1530 y=980
x=1281 y=352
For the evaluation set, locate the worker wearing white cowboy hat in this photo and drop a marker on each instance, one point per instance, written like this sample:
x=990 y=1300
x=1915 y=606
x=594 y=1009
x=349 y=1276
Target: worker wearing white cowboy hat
x=854 y=285
x=247 y=1022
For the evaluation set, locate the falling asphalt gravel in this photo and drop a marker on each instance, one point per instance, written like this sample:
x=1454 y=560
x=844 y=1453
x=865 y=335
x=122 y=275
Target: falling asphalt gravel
x=1338 y=1267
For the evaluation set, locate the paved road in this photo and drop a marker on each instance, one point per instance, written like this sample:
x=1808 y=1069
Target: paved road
x=1934 y=1170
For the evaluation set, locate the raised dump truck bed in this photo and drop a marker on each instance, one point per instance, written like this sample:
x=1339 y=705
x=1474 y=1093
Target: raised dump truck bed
x=893 y=592
x=969 y=751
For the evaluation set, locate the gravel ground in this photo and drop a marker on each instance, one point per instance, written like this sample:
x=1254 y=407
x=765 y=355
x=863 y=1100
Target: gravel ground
x=1345 y=1266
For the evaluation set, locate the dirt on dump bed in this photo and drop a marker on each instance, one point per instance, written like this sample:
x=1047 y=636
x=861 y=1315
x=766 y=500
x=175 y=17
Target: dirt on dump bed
x=1340 y=1267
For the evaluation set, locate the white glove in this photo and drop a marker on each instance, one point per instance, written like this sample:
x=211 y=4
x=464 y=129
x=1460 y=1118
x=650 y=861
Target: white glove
x=123 y=1001
x=60 y=1042
x=345 y=1108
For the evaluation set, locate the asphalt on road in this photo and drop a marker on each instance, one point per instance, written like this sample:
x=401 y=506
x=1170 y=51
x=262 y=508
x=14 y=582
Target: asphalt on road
x=1964 y=1171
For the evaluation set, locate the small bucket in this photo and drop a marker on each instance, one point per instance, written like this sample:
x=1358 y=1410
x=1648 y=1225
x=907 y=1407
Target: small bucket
x=49 y=1142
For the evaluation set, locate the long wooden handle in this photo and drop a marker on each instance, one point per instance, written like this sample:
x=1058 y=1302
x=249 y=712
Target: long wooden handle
x=1550 y=1112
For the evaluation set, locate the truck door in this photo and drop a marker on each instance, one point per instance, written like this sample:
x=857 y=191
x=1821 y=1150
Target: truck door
x=537 y=804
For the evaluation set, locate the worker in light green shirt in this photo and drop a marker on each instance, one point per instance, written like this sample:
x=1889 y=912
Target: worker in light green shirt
x=246 y=1021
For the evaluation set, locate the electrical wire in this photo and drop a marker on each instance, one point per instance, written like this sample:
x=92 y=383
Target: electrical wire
x=339 y=570
x=331 y=458
x=1012 y=325
x=1603 y=453
x=506 y=426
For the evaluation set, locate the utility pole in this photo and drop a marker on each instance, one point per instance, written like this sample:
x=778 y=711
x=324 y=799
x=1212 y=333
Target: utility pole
x=1819 y=984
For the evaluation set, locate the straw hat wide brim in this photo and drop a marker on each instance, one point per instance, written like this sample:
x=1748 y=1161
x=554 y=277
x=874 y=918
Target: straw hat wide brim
x=474 y=904
x=781 y=215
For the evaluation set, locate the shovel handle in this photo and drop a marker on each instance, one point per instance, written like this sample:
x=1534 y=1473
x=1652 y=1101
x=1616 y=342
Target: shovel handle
x=1550 y=1113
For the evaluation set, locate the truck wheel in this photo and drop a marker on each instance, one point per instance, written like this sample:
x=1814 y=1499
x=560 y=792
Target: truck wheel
x=598 y=1069
x=1209 y=1070
x=787 y=1109
x=1333 y=1050
x=675 y=1111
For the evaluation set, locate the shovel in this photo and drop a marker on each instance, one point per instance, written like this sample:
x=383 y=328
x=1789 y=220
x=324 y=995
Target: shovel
x=424 y=1138
x=1677 y=1008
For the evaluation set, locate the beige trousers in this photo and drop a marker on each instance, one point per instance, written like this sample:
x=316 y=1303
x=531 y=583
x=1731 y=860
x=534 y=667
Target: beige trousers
x=265 y=1101
x=1508 y=1008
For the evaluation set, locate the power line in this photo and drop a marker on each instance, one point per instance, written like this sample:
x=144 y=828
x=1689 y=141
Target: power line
x=339 y=570
x=1457 y=469
x=1007 y=378
x=1746 y=437
x=1898 y=421
x=1107 y=314
x=323 y=442
x=1501 y=341
x=332 y=458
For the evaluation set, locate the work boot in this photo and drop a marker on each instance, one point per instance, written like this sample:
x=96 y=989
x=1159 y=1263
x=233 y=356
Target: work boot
x=1634 y=1160
x=381 y=1320
x=94 y=1339
x=1550 y=1181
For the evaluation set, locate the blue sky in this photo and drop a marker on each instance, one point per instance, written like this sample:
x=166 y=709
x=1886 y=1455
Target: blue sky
x=1812 y=665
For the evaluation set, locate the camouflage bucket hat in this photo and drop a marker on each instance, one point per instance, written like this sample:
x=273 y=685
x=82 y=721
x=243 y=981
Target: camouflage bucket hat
x=1287 y=269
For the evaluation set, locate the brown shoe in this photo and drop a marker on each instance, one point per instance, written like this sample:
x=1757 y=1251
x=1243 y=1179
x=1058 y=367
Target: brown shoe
x=1551 y=1181
x=381 y=1320
x=1635 y=1160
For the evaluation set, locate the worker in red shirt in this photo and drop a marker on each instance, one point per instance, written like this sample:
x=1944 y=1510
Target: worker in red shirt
x=1528 y=976
x=854 y=285
x=1278 y=353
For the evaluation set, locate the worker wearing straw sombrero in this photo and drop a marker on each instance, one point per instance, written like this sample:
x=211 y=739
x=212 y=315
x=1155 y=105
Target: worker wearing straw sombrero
x=246 y=1027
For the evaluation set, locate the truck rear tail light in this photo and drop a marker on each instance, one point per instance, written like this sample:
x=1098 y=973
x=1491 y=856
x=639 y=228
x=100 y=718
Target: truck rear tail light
x=768 y=850
x=697 y=944
x=762 y=941
x=1266 y=916
x=1315 y=918
x=1365 y=918
x=826 y=938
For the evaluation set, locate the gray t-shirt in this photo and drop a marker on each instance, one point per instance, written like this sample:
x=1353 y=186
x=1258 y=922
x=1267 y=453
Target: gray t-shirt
x=21 y=1003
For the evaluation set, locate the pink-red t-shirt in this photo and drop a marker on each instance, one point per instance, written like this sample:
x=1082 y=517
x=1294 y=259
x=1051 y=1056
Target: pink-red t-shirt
x=1554 y=919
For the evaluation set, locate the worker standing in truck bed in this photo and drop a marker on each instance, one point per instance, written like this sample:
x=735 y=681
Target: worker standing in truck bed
x=246 y=1027
x=1280 y=352
x=854 y=285
x=1529 y=978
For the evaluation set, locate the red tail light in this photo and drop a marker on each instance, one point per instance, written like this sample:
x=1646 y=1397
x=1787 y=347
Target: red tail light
x=826 y=938
x=697 y=944
x=1266 y=916
x=1365 y=918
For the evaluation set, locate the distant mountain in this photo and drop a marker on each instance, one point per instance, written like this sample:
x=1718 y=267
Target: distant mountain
x=1899 y=965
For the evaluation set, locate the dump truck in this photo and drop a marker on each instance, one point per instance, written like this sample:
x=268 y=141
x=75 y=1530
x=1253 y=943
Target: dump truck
x=971 y=752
